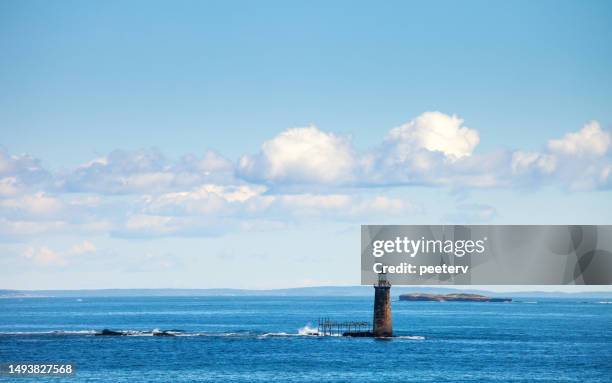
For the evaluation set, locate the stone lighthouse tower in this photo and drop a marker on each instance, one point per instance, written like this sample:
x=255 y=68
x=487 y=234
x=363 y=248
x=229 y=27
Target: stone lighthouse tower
x=383 y=326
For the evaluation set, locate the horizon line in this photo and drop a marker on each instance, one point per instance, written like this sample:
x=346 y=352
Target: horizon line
x=416 y=287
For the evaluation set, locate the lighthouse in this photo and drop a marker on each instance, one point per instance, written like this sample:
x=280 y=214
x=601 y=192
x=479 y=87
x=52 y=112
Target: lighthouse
x=383 y=326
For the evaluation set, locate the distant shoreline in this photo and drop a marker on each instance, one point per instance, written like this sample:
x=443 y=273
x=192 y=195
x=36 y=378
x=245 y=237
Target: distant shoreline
x=331 y=291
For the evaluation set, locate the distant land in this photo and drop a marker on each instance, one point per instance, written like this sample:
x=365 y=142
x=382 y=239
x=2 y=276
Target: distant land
x=298 y=291
x=456 y=297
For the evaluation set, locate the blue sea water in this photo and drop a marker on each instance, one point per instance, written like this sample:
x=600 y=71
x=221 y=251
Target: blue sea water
x=257 y=339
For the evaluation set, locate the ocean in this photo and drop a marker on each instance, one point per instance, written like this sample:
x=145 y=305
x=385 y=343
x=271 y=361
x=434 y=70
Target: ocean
x=262 y=339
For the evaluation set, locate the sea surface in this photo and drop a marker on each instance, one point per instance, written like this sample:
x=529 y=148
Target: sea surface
x=262 y=339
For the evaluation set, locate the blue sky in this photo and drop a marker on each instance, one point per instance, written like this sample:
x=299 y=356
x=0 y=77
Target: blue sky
x=151 y=144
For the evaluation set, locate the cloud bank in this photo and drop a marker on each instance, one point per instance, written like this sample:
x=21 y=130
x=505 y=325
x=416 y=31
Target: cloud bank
x=303 y=173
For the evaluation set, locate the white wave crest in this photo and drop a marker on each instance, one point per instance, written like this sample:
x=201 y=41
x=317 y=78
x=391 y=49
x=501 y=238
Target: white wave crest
x=411 y=337
x=307 y=330
x=276 y=334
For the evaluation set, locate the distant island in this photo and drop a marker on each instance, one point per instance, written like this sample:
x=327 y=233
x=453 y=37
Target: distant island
x=451 y=298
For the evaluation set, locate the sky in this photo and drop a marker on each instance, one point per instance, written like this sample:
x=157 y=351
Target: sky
x=197 y=144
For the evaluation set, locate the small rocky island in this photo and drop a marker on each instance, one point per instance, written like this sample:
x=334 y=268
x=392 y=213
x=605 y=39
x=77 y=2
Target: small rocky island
x=450 y=298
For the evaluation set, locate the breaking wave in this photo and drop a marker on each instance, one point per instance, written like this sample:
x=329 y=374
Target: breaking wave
x=306 y=331
x=154 y=332
x=411 y=337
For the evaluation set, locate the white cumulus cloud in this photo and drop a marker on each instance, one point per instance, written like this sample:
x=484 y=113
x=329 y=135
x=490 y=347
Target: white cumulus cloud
x=20 y=172
x=301 y=155
x=590 y=140
x=145 y=171
x=433 y=131
x=578 y=161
